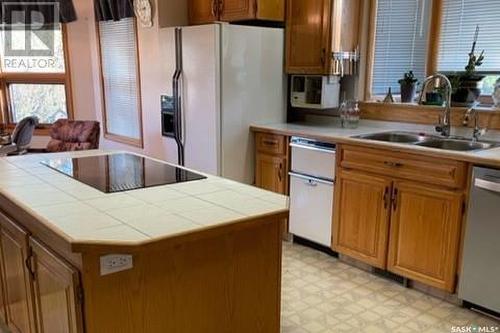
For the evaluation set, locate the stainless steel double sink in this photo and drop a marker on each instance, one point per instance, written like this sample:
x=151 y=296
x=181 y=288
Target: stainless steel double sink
x=431 y=141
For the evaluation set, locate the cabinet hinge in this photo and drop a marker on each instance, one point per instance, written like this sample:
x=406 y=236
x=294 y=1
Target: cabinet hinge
x=79 y=294
x=464 y=208
x=30 y=265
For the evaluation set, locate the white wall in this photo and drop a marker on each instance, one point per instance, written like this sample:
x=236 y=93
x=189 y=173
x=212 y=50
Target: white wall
x=155 y=71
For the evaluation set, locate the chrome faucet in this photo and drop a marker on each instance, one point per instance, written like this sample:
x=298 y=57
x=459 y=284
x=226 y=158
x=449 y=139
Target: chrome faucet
x=444 y=126
x=477 y=131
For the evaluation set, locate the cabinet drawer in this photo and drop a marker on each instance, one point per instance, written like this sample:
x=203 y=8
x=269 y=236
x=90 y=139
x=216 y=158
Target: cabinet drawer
x=271 y=143
x=406 y=166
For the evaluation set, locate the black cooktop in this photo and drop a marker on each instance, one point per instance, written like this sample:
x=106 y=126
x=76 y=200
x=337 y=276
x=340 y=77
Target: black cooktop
x=121 y=172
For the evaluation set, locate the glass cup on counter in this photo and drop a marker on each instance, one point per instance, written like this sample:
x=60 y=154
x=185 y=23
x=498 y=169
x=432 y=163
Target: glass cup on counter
x=349 y=114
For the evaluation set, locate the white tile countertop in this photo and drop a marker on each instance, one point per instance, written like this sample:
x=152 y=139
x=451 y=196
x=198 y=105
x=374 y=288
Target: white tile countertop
x=80 y=213
x=331 y=131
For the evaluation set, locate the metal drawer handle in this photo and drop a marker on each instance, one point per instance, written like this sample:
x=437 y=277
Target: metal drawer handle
x=487 y=185
x=386 y=197
x=395 y=199
x=393 y=164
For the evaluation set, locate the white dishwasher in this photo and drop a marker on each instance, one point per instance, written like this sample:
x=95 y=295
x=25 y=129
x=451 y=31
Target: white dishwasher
x=311 y=190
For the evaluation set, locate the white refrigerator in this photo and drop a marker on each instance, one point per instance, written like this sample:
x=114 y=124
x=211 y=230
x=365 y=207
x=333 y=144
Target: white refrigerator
x=227 y=77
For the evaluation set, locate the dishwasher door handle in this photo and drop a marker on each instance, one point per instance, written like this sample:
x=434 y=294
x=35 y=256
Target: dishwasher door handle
x=311 y=181
x=488 y=185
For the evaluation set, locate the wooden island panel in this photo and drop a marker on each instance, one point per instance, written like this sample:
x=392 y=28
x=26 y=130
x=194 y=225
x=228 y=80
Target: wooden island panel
x=223 y=282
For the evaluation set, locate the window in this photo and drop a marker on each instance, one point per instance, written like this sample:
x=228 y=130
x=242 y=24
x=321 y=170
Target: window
x=460 y=19
x=120 y=79
x=400 y=42
x=34 y=78
x=431 y=36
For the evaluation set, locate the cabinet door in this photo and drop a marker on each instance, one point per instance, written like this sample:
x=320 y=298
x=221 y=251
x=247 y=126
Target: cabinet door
x=17 y=279
x=425 y=231
x=56 y=289
x=237 y=10
x=362 y=213
x=270 y=173
x=202 y=11
x=307 y=34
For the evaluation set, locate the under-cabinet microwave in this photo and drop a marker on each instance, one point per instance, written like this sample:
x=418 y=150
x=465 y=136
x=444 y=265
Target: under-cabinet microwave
x=315 y=91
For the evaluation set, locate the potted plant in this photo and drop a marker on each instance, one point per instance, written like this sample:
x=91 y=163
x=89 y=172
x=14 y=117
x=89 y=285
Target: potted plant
x=467 y=85
x=408 y=87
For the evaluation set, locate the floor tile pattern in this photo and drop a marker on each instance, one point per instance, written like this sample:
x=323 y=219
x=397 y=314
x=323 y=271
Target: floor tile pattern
x=322 y=294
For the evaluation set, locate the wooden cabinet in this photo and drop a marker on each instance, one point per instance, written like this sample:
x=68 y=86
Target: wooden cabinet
x=206 y=11
x=425 y=232
x=202 y=11
x=271 y=162
x=307 y=36
x=315 y=29
x=361 y=227
x=390 y=200
x=16 y=277
x=57 y=292
x=271 y=173
x=40 y=290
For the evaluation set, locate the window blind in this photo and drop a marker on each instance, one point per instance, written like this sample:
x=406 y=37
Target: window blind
x=120 y=81
x=400 y=42
x=460 y=18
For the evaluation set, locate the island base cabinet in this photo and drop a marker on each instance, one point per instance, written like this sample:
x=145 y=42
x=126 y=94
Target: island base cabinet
x=57 y=293
x=362 y=222
x=17 y=288
x=229 y=281
x=425 y=232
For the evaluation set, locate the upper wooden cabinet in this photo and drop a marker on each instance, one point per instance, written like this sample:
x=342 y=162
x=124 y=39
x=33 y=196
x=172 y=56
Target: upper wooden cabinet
x=307 y=36
x=57 y=293
x=315 y=30
x=18 y=295
x=206 y=11
x=362 y=222
x=425 y=232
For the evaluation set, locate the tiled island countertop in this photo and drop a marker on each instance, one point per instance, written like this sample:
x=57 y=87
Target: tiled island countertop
x=81 y=214
x=147 y=260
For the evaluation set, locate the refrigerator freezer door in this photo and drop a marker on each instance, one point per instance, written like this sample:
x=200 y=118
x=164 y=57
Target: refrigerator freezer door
x=201 y=98
x=253 y=92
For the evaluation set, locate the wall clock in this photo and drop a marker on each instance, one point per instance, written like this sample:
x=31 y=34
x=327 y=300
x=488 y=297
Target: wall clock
x=144 y=12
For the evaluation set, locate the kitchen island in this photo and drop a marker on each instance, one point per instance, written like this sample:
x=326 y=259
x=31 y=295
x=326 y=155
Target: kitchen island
x=197 y=256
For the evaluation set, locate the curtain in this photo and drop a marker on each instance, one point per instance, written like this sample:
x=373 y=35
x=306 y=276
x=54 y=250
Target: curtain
x=47 y=12
x=107 y=10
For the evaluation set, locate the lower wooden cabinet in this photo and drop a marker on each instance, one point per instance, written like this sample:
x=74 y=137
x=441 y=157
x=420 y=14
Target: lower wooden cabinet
x=18 y=296
x=409 y=227
x=362 y=221
x=425 y=233
x=40 y=290
x=57 y=293
x=271 y=173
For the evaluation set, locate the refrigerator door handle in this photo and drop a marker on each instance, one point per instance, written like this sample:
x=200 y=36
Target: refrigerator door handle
x=177 y=92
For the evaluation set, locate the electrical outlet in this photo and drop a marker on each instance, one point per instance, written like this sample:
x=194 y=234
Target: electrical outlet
x=114 y=263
